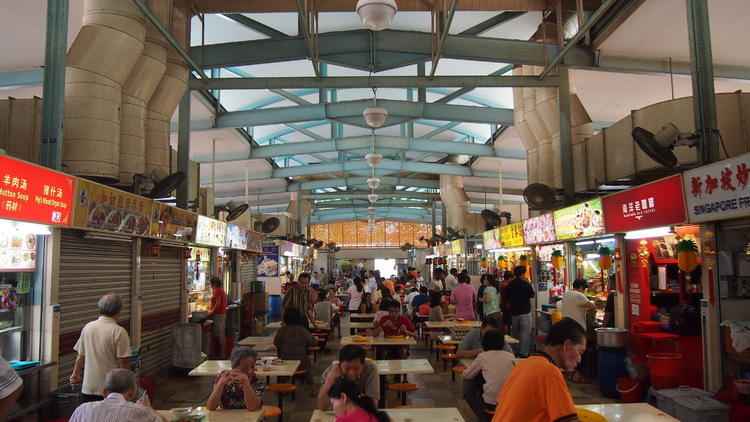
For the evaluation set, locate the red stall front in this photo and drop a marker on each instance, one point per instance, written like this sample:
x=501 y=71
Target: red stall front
x=663 y=309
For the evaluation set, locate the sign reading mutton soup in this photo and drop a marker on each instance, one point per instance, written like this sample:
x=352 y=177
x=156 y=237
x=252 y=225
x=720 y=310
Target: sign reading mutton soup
x=581 y=220
x=35 y=194
x=100 y=207
x=718 y=191
x=659 y=203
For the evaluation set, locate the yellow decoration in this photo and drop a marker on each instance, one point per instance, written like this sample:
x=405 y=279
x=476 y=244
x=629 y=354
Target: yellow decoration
x=523 y=261
x=687 y=255
x=557 y=259
x=501 y=261
x=605 y=258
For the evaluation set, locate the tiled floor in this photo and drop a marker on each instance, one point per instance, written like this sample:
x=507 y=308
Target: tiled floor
x=436 y=390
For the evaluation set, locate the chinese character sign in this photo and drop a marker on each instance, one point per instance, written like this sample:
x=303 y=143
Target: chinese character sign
x=32 y=193
x=100 y=207
x=659 y=203
x=718 y=191
x=582 y=220
x=172 y=223
x=539 y=229
x=211 y=232
x=511 y=235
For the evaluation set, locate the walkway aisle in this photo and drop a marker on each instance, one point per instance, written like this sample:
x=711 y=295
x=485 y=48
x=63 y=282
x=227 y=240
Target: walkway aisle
x=436 y=390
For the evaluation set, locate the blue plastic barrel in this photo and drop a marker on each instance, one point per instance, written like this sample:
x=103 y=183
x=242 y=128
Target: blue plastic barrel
x=610 y=366
x=274 y=307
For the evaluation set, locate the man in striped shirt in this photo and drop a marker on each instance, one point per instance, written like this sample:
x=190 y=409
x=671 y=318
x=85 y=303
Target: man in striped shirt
x=119 y=390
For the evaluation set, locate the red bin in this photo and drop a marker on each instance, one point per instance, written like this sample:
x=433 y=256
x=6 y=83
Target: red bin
x=665 y=369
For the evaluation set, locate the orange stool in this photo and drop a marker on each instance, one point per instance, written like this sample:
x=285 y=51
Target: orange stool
x=315 y=350
x=446 y=348
x=448 y=357
x=295 y=377
x=270 y=411
x=489 y=412
x=281 y=389
x=457 y=370
x=402 y=388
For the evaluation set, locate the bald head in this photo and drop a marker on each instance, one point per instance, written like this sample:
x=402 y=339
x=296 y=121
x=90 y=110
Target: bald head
x=120 y=381
x=110 y=305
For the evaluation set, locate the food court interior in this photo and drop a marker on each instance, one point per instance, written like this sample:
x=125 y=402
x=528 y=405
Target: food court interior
x=211 y=162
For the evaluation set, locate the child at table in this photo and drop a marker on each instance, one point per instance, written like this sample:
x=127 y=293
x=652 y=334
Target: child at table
x=238 y=388
x=350 y=404
x=493 y=365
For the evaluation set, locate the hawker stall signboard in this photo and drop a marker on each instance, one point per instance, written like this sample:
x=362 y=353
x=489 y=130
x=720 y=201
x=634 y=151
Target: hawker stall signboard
x=236 y=237
x=211 y=232
x=659 y=203
x=491 y=239
x=255 y=241
x=539 y=229
x=511 y=235
x=582 y=220
x=268 y=262
x=718 y=191
x=99 y=207
x=170 y=223
x=35 y=194
x=17 y=247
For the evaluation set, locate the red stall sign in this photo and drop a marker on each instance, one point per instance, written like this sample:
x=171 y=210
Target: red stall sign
x=659 y=203
x=32 y=193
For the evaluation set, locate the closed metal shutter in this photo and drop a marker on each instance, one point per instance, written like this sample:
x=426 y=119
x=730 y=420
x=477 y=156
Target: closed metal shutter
x=161 y=278
x=248 y=272
x=89 y=269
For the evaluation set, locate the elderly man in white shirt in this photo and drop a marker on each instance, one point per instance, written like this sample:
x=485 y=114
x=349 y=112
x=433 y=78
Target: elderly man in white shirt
x=11 y=386
x=103 y=345
x=120 y=390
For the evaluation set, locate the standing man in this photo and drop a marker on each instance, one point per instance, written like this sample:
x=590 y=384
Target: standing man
x=11 y=386
x=315 y=281
x=323 y=276
x=451 y=280
x=371 y=286
x=574 y=305
x=217 y=312
x=465 y=298
x=536 y=389
x=120 y=389
x=103 y=345
x=436 y=285
x=299 y=297
x=519 y=292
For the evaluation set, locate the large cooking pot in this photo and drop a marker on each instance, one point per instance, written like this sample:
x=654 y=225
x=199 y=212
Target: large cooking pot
x=611 y=337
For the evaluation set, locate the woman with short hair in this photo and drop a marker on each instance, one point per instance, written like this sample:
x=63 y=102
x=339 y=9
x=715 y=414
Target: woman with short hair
x=238 y=388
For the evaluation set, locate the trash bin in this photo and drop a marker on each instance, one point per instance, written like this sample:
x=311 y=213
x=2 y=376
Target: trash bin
x=65 y=401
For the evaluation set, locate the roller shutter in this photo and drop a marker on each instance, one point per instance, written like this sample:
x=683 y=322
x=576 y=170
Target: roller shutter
x=89 y=269
x=161 y=278
x=248 y=272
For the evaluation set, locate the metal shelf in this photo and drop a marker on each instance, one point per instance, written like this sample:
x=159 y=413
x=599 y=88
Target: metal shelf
x=34 y=369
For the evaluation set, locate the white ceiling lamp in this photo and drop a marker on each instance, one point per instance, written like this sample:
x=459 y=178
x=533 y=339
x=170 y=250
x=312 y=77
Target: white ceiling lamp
x=373 y=182
x=376 y=15
x=372 y=197
x=375 y=116
x=373 y=160
x=371 y=210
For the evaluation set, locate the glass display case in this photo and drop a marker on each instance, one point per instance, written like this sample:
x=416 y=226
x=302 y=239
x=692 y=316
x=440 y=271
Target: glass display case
x=199 y=275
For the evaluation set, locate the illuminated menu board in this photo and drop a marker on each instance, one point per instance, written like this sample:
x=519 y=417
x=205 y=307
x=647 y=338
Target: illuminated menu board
x=511 y=235
x=539 y=229
x=32 y=193
x=211 y=232
x=101 y=207
x=581 y=220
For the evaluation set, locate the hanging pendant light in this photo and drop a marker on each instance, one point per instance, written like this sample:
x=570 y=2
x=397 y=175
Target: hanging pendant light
x=376 y=15
x=375 y=116
x=372 y=197
x=373 y=182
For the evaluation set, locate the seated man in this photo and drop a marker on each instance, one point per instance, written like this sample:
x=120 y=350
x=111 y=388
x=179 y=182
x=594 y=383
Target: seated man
x=494 y=365
x=352 y=367
x=394 y=324
x=119 y=390
x=536 y=389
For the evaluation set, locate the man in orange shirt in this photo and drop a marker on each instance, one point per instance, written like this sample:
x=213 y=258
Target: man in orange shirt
x=536 y=390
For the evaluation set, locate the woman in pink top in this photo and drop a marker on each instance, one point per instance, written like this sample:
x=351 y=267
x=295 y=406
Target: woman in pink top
x=350 y=404
x=464 y=297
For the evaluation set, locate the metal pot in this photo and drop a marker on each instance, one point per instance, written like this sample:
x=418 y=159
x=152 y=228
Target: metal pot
x=612 y=337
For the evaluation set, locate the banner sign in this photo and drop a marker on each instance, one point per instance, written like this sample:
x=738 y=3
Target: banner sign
x=491 y=239
x=511 y=235
x=100 y=207
x=581 y=220
x=35 y=194
x=718 y=191
x=236 y=237
x=268 y=262
x=255 y=241
x=539 y=229
x=659 y=203
x=211 y=232
x=170 y=223
x=457 y=247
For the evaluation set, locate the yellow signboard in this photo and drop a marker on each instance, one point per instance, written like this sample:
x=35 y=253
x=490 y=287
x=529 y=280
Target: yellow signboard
x=172 y=223
x=511 y=235
x=457 y=247
x=99 y=207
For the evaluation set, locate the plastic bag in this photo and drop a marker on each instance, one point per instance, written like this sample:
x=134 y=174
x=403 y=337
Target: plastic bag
x=636 y=371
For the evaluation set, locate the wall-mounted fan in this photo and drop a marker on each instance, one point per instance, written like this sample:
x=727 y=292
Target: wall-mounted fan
x=430 y=242
x=659 y=146
x=407 y=246
x=297 y=238
x=164 y=184
x=540 y=197
x=269 y=225
x=332 y=248
x=234 y=209
x=452 y=233
x=318 y=244
x=493 y=219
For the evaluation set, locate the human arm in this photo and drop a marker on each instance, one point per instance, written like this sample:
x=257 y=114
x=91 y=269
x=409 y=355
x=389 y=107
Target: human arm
x=124 y=352
x=530 y=290
x=75 y=377
x=473 y=370
x=146 y=402
x=214 y=400
x=124 y=363
x=487 y=297
x=453 y=297
x=252 y=400
x=328 y=378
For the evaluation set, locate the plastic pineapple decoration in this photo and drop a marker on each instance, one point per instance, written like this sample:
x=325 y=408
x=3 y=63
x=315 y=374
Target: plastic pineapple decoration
x=687 y=256
x=501 y=261
x=605 y=258
x=557 y=259
x=523 y=261
x=484 y=263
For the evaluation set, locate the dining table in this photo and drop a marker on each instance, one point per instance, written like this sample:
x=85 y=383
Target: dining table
x=223 y=415
x=435 y=414
x=214 y=367
x=361 y=317
x=453 y=323
x=630 y=412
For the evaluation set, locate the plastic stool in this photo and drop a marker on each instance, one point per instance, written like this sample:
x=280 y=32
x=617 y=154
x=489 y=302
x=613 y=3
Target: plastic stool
x=296 y=377
x=281 y=389
x=315 y=350
x=457 y=370
x=446 y=348
x=270 y=411
x=448 y=357
x=402 y=388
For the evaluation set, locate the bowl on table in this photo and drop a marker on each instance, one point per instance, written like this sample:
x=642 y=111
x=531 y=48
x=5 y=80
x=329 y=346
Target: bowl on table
x=396 y=337
x=361 y=339
x=585 y=415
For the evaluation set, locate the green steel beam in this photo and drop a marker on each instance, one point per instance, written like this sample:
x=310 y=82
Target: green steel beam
x=255 y=25
x=492 y=22
x=342 y=111
x=446 y=25
x=465 y=90
x=344 y=82
x=280 y=92
x=23 y=78
x=383 y=194
x=54 y=84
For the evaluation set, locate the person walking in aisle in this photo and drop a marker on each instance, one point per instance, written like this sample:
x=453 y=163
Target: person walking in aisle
x=491 y=301
x=436 y=285
x=299 y=297
x=103 y=345
x=217 y=312
x=574 y=305
x=519 y=292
